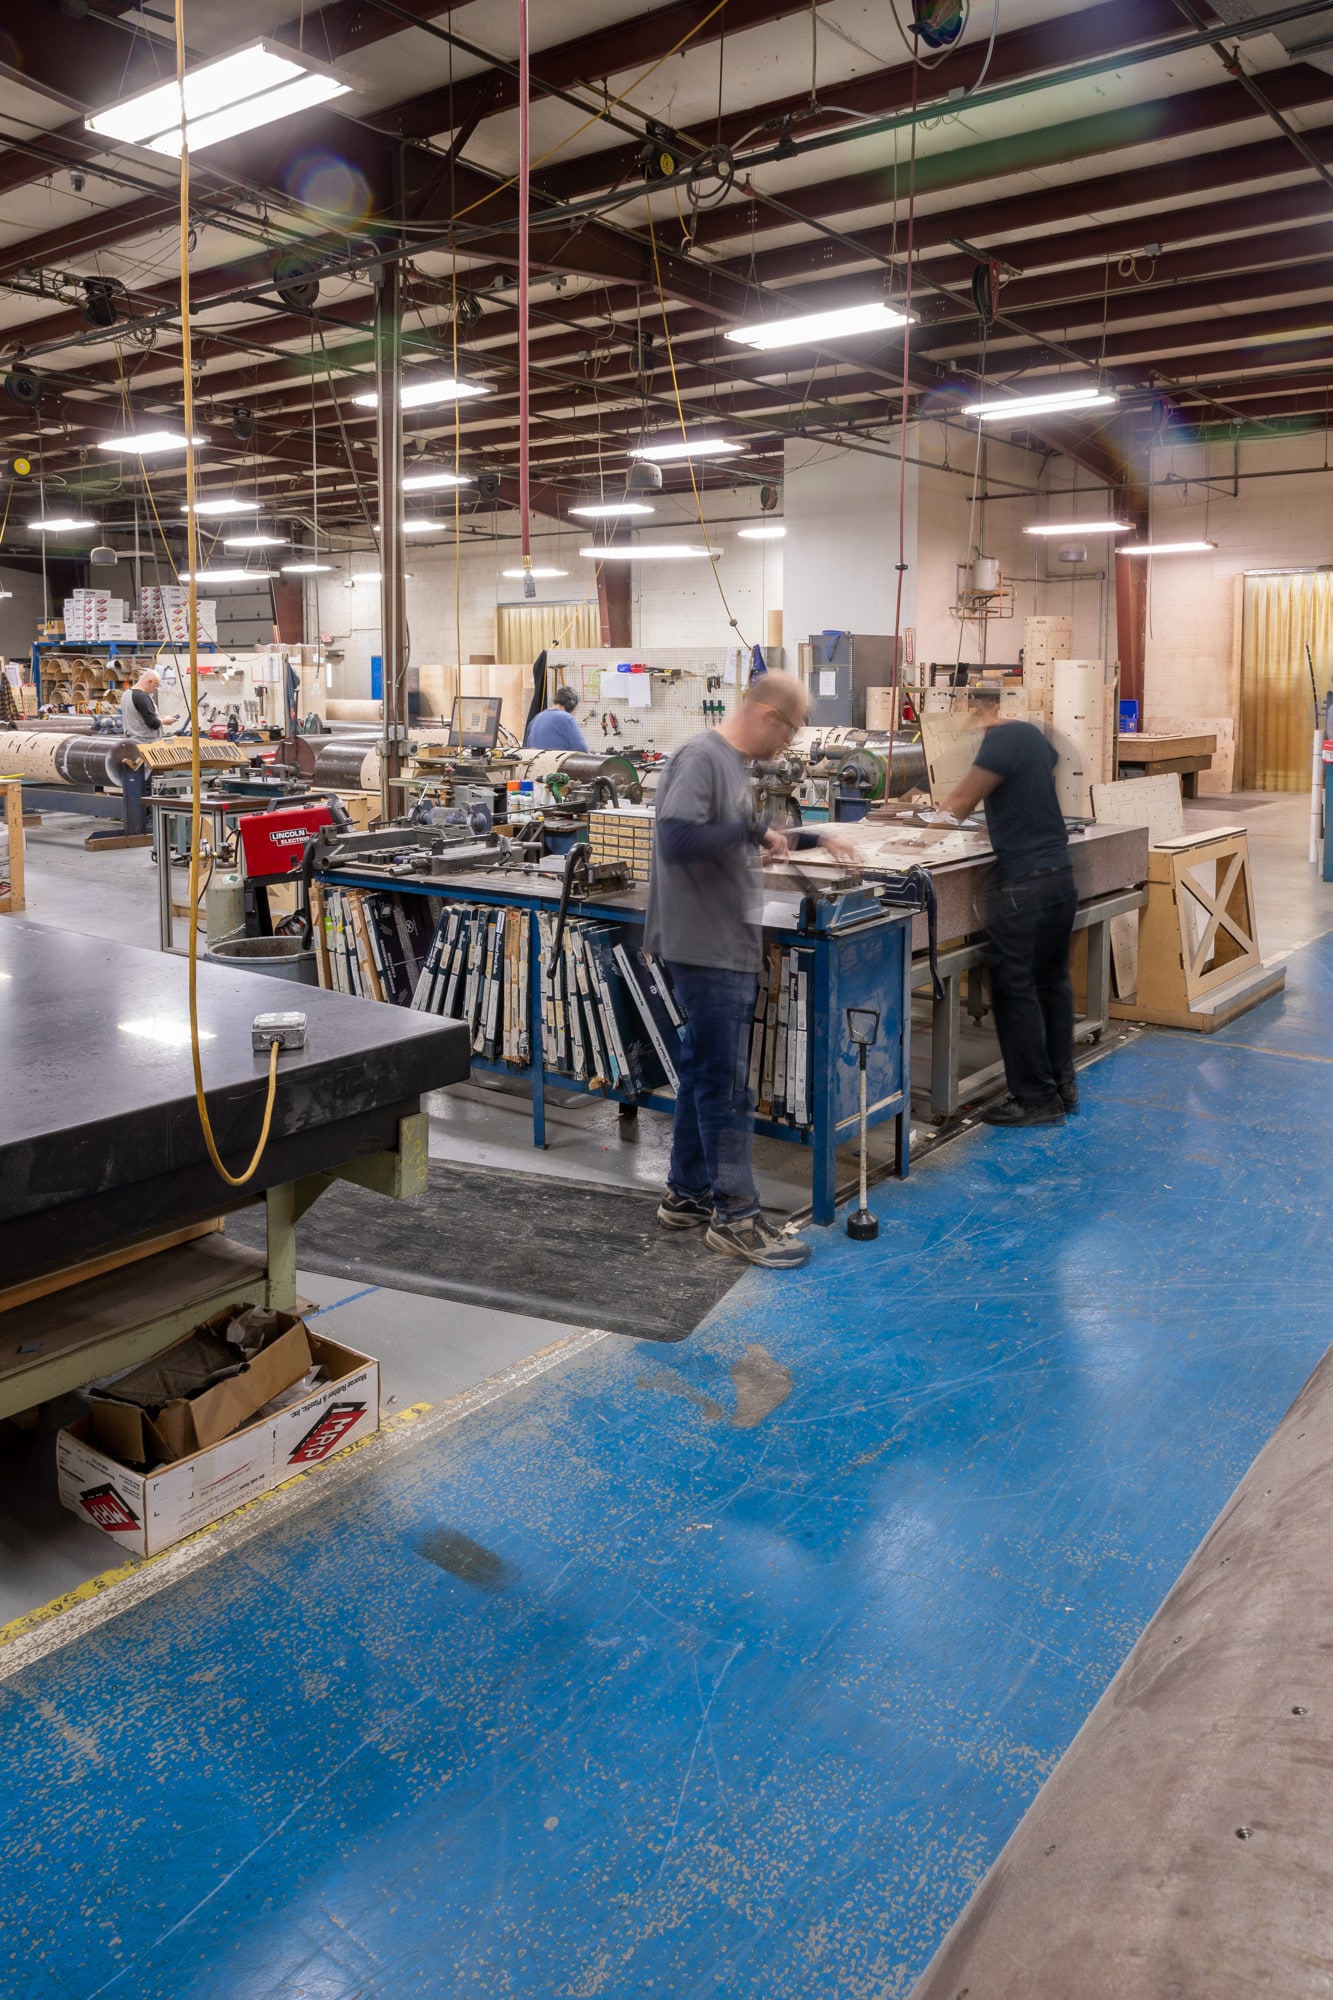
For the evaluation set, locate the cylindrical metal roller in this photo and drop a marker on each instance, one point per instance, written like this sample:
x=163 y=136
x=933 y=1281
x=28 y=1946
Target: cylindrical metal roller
x=580 y=766
x=354 y=767
x=94 y=761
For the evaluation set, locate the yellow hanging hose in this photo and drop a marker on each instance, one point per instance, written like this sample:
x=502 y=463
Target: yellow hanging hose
x=192 y=548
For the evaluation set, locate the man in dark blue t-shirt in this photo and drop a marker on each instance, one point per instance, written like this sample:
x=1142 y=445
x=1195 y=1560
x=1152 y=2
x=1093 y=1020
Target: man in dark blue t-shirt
x=1031 y=920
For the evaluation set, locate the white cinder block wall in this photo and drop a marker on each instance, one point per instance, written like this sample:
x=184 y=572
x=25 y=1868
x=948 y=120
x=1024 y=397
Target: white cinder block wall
x=836 y=566
x=674 y=603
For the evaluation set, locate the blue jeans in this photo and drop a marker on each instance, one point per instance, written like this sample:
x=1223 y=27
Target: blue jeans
x=714 y=1128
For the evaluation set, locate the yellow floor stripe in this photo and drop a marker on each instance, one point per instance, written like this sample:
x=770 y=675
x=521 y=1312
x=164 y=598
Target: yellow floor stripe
x=84 y=1593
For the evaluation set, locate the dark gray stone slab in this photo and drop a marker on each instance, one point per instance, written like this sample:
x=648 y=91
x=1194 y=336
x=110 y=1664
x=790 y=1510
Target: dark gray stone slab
x=100 y=1135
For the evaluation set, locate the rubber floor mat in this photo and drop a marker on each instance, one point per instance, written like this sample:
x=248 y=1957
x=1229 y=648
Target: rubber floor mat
x=521 y=1242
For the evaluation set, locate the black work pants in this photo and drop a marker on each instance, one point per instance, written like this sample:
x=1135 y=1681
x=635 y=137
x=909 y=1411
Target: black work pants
x=1031 y=922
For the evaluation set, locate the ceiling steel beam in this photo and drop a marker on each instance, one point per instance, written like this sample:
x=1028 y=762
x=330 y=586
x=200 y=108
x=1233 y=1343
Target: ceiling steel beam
x=1038 y=148
x=1081 y=33
x=643 y=38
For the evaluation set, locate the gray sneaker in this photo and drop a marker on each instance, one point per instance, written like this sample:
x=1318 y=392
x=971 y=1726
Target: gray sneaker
x=758 y=1243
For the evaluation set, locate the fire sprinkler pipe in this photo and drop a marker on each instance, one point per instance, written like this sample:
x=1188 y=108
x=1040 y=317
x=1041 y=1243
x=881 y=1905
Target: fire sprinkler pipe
x=524 y=192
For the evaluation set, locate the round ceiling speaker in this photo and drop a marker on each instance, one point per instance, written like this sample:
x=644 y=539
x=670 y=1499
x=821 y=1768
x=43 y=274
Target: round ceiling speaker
x=644 y=477
x=1072 y=552
x=103 y=556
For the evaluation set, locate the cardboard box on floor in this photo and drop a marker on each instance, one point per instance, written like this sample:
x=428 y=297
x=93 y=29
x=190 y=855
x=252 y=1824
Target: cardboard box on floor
x=189 y=1424
x=145 y=1512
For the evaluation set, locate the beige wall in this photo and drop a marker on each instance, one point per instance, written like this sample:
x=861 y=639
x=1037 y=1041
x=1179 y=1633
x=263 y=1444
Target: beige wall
x=1283 y=520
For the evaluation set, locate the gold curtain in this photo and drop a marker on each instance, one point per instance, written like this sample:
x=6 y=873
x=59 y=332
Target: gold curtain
x=523 y=629
x=1282 y=615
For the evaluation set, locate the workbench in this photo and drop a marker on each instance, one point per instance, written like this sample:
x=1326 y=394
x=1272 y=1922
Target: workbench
x=1151 y=756
x=1110 y=864
x=109 y=1245
x=865 y=962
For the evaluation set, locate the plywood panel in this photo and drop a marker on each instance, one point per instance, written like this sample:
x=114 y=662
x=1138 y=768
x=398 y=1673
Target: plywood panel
x=951 y=743
x=1078 y=731
x=1151 y=802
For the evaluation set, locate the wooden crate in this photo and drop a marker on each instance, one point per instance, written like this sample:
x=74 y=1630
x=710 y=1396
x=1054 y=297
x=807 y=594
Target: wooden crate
x=1199 y=963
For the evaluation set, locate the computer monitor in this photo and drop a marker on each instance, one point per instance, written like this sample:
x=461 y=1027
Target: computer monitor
x=476 y=721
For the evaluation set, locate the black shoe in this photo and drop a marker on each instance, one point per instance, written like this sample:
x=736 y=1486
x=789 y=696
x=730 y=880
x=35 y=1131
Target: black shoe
x=1047 y=1111
x=682 y=1211
x=1067 y=1088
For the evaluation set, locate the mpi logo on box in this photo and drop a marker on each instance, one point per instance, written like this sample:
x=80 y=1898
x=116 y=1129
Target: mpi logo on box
x=105 y=1508
x=327 y=1434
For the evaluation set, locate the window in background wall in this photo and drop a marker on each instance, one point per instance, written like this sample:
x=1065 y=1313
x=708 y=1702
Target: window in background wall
x=1282 y=615
x=523 y=629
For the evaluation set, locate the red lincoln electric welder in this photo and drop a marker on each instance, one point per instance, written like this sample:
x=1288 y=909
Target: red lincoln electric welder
x=272 y=847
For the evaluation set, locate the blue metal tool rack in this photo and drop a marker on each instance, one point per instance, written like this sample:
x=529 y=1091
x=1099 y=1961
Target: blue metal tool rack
x=862 y=958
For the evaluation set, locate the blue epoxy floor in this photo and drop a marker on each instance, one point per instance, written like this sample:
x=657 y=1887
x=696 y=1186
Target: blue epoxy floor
x=708 y=1671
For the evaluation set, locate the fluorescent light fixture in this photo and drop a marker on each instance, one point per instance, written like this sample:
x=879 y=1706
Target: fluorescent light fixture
x=250 y=87
x=837 y=324
x=1007 y=409
x=695 y=447
x=420 y=526
x=57 y=523
x=255 y=542
x=306 y=569
x=225 y=503
x=1167 y=549
x=165 y=1029
x=144 y=442
x=227 y=577
x=650 y=552
x=1080 y=528
x=534 y=572
x=607 y=510
x=773 y=532
x=369 y=576
x=420 y=395
x=426 y=482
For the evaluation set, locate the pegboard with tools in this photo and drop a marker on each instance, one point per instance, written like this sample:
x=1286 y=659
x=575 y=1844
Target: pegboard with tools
x=682 y=690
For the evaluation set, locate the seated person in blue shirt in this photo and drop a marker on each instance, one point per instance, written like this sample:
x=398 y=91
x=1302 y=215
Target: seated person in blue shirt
x=555 y=728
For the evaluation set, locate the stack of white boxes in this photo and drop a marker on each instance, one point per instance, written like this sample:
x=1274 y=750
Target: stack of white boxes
x=92 y=615
x=164 y=615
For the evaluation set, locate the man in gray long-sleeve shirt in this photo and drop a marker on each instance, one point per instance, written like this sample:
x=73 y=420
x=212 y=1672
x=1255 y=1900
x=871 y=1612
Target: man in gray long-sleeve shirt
x=705 y=904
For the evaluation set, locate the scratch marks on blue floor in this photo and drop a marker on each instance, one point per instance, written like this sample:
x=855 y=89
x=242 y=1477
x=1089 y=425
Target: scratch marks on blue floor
x=723 y=1682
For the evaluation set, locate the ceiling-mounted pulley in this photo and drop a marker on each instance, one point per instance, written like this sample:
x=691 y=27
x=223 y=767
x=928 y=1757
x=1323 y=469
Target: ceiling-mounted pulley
x=294 y=284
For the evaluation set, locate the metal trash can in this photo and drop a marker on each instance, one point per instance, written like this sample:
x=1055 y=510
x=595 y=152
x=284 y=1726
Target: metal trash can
x=279 y=957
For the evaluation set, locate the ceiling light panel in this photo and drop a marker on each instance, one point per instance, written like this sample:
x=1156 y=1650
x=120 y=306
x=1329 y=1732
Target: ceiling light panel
x=250 y=87
x=840 y=324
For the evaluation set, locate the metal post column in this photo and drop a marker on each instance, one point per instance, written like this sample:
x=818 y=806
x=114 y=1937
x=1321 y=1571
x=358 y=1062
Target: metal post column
x=393 y=610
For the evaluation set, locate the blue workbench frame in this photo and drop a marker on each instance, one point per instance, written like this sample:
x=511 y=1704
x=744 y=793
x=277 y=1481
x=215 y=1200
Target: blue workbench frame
x=867 y=963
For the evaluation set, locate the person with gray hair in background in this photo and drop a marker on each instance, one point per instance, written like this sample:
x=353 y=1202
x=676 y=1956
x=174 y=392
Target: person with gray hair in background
x=705 y=908
x=555 y=728
x=138 y=708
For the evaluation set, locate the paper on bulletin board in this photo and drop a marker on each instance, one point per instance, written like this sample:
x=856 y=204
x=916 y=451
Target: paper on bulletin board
x=828 y=683
x=730 y=670
x=639 y=688
x=594 y=687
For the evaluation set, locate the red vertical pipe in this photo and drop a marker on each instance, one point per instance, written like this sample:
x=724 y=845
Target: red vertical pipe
x=524 y=175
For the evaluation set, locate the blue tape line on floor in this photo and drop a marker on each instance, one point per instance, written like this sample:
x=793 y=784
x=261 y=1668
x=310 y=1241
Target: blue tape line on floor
x=367 y=1292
